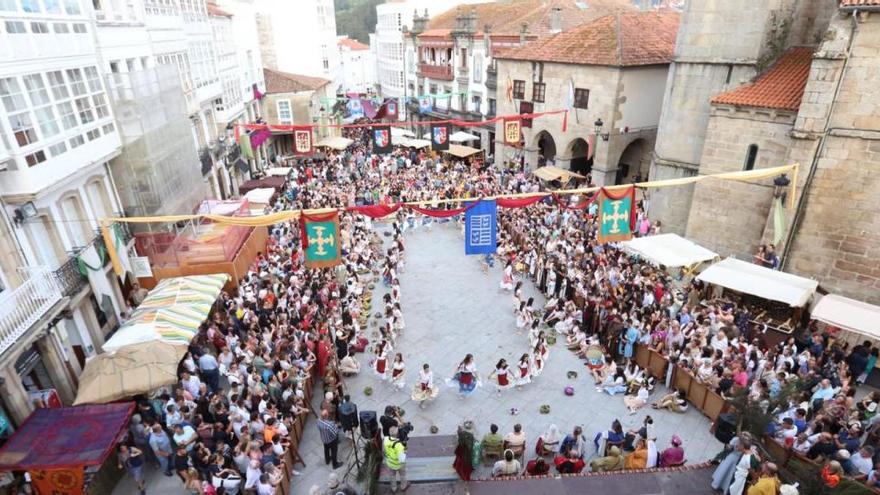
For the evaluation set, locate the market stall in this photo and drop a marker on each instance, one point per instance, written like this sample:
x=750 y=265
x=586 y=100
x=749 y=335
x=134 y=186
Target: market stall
x=462 y=137
x=398 y=132
x=258 y=199
x=337 y=143
x=670 y=252
x=171 y=312
x=279 y=171
x=852 y=321
x=273 y=181
x=551 y=173
x=63 y=448
x=461 y=151
x=411 y=142
x=774 y=299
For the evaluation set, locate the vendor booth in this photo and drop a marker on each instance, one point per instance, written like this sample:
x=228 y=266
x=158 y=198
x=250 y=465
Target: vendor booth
x=670 y=252
x=775 y=299
x=551 y=173
x=462 y=137
x=63 y=449
x=258 y=199
x=273 y=181
x=278 y=171
x=849 y=320
x=202 y=246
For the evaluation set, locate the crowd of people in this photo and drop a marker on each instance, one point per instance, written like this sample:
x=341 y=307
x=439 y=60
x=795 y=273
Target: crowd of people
x=225 y=426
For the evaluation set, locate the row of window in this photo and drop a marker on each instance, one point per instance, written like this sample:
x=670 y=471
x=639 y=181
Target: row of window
x=201 y=58
x=539 y=91
x=40 y=107
x=69 y=7
x=42 y=27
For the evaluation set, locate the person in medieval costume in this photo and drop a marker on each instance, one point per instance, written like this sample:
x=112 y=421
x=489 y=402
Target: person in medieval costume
x=502 y=376
x=398 y=371
x=425 y=390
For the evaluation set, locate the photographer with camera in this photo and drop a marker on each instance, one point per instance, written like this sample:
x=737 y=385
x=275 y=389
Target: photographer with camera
x=393 y=418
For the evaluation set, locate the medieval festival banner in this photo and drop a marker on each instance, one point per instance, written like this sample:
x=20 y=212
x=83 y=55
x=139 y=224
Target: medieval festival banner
x=320 y=239
x=512 y=132
x=617 y=215
x=481 y=228
x=303 y=141
x=440 y=137
x=381 y=139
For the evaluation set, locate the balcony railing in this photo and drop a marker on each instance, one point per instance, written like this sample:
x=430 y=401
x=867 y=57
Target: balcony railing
x=70 y=280
x=23 y=306
x=491 y=78
x=442 y=72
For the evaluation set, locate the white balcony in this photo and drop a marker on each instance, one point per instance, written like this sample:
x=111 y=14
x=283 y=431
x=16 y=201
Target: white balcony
x=23 y=306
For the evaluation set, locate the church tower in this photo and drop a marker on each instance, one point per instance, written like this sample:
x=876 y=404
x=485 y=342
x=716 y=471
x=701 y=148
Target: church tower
x=721 y=44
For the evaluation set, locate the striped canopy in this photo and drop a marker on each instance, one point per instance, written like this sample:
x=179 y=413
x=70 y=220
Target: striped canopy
x=171 y=312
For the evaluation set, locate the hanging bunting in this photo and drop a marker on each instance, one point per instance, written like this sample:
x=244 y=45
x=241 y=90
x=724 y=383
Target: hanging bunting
x=425 y=104
x=481 y=228
x=320 y=239
x=303 y=142
x=512 y=132
x=617 y=215
x=244 y=143
x=440 y=137
x=382 y=139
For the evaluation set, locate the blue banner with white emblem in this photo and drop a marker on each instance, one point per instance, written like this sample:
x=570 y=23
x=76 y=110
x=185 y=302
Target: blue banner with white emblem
x=481 y=228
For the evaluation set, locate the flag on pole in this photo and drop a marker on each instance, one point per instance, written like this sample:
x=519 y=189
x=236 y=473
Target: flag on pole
x=617 y=215
x=481 y=228
x=320 y=239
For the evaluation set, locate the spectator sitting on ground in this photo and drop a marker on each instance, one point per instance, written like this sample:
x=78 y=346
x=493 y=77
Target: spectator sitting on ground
x=508 y=466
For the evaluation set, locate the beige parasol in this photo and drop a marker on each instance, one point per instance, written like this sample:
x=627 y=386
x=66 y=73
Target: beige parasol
x=131 y=370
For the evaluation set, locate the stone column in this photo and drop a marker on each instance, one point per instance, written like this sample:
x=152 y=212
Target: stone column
x=57 y=368
x=14 y=395
x=563 y=161
x=531 y=157
x=84 y=317
x=603 y=172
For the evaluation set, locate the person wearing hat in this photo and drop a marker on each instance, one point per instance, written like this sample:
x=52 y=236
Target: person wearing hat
x=612 y=462
x=507 y=466
x=674 y=455
x=394 y=452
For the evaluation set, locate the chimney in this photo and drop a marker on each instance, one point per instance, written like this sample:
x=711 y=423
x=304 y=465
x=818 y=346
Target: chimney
x=556 y=20
x=419 y=24
x=523 y=29
x=487 y=39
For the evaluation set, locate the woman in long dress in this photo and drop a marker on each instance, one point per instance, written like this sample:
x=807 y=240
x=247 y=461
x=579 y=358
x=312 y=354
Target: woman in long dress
x=723 y=475
x=747 y=462
x=524 y=370
x=425 y=389
x=507 y=277
x=465 y=377
x=380 y=365
x=398 y=371
x=502 y=376
x=522 y=317
x=540 y=354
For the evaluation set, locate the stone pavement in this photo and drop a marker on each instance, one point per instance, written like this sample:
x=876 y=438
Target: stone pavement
x=452 y=308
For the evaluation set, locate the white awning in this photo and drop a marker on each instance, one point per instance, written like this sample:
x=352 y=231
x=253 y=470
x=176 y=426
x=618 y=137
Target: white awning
x=765 y=283
x=335 y=142
x=669 y=250
x=398 y=132
x=848 y=314
x=411 y=143
x=461 y=151
x=461 y=137
x=260 y=196
x=555 y=173
x=283 y=171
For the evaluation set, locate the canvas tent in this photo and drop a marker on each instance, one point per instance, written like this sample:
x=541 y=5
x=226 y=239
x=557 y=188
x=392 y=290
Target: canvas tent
x=411 y=142
x=171 y=312
x=848 y=314
x=335 y=142
x=397 y=132
x=668 y=250
x=279 y=171
x=461 y=151
x=555 y=173
x=462 y=137
x=759 y=281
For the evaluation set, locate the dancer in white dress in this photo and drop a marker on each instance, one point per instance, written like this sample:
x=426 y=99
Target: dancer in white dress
x=539 y=357
x=398 y=371
x=425 y=389
x=524 y=371
x=507 y=277
x=380 y=365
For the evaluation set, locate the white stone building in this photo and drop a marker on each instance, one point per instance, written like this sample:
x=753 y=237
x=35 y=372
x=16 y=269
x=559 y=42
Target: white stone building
x=58 y=136
x=358 y=66
x=299 y=37
x=453 y=53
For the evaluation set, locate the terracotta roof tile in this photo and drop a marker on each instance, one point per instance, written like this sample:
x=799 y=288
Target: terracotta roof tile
x=285 y=82
x=855 y=4
x=781 y=86
x=622 y=39
x=507 y=16
x=213 y=9
x=353 y=45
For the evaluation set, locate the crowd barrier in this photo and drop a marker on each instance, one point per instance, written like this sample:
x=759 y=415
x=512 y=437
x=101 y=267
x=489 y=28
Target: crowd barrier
x=698 y=394
x=291 y=455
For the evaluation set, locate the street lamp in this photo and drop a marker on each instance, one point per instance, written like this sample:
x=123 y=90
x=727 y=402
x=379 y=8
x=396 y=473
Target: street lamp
x=598 y=128
x=780 y=187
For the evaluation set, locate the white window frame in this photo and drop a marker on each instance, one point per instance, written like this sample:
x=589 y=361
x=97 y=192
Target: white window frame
x=282 y=120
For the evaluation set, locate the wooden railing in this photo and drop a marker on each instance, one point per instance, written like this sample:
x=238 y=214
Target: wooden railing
x=698 y=394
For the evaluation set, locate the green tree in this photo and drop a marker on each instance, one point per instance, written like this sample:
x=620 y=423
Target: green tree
x=356 y=18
